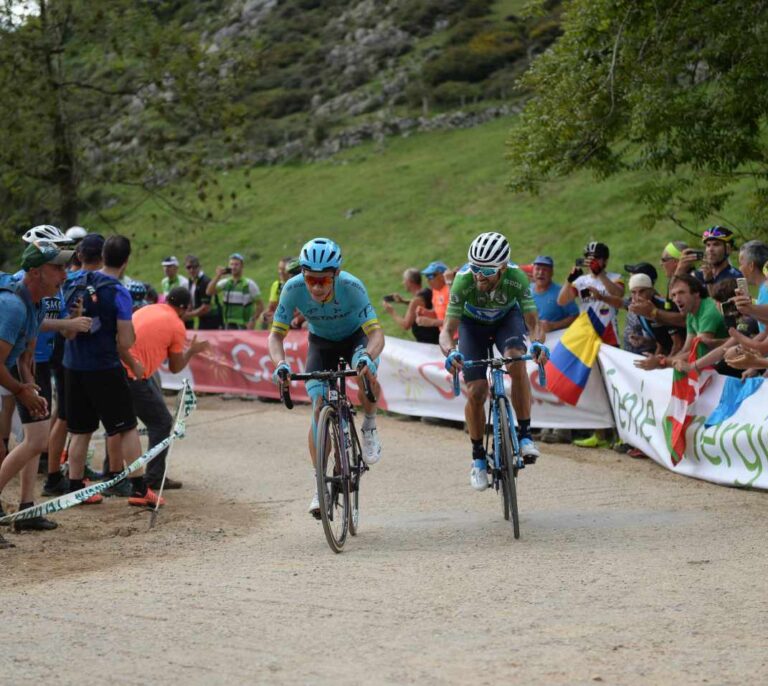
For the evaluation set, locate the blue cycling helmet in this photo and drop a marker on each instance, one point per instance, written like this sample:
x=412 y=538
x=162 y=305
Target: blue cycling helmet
x=320 y=254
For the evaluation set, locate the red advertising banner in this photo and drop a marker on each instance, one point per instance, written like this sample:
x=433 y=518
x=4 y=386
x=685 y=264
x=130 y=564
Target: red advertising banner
x=239 y=363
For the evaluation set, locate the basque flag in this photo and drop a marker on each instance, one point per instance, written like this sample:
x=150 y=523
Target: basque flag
x=572 y=359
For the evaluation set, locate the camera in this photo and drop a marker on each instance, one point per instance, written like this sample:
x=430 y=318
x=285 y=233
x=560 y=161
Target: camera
x=389 y=298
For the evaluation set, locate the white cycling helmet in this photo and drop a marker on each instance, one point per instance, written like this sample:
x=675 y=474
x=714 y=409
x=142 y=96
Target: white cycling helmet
x=76 y=233
x=45 y=232
x=489 y=250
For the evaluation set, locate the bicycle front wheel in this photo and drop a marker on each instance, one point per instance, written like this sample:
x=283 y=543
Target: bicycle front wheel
x=332 y=473
x=508 y=470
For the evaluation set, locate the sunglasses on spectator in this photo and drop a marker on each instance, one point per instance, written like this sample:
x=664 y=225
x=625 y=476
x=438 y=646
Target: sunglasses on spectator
x=318 y=280
x=484 y=271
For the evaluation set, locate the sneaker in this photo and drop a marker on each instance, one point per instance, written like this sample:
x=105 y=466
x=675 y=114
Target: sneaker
x=528 y=450
x=149 y=499
x=122 y=489
x=478 y=476
x=55 y=488
x=371 y=446
x=314 y=506
x=591 y=442
x=34 y=524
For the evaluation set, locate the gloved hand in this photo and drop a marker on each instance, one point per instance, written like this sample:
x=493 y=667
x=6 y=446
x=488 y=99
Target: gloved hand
x=539 y=352
x=454 y=355
x=282 y=367
x=361 y=356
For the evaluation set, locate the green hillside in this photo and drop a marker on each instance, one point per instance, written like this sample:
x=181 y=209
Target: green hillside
x=417 y=199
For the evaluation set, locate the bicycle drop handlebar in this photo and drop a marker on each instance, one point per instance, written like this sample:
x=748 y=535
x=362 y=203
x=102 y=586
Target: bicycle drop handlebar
x=498 y=363
x=285 y=389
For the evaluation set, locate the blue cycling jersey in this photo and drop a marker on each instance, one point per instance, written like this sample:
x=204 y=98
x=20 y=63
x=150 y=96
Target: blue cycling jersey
x=348 y=309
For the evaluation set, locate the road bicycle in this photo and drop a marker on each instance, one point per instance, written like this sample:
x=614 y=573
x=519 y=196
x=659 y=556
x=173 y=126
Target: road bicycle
x=505 y=458
x=339 y=466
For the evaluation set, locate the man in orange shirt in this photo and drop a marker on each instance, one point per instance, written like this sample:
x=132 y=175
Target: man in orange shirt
x=160 y=335
x=441 y=291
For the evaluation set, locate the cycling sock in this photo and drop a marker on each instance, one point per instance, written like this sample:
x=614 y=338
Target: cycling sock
x=369 y=422
x=478 y=451
x=525 y=428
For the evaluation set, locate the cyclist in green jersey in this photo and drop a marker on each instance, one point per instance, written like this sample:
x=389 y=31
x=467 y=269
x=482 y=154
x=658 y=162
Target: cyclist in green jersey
x=491 y=303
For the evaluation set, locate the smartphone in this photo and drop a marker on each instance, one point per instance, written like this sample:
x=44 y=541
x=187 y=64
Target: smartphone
x=585 y=293
x=580 y=262
x=228 y=270
x=742 y=285
x=389 y=298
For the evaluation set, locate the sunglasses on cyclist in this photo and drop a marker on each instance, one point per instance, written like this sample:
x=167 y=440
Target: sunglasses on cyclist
x=318 y=280
x=487 y=272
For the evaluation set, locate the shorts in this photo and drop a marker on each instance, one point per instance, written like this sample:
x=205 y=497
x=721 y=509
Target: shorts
x=476 y=339
x=42 y=379
x=95 y=396
x=323 y=354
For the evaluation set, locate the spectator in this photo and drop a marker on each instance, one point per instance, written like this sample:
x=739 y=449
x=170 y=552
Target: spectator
x=420 y=298
x=241 y=303
x=274 y=291
x=97 y=388
x=172 y=278
x=441 y=292
x=703 y=320
x=160 y=335
x=718 y=242
x=584 y=286
x=21 y=313
x=204 y=309
x=551 y=315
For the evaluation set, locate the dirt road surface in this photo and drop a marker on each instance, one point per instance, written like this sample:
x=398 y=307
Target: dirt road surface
x=625 y=573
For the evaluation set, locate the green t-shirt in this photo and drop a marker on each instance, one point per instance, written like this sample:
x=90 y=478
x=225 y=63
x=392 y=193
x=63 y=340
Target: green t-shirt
x=467 y=301
x=707 y=320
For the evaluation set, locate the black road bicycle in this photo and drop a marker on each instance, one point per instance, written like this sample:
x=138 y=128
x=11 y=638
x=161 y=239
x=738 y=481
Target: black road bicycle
x=339 y=466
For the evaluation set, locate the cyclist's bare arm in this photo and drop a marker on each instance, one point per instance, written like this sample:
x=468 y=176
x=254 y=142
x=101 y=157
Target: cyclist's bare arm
x=450 y=327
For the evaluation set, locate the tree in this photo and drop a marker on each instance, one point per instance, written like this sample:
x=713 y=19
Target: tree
x=102 y=93
x=672 y=87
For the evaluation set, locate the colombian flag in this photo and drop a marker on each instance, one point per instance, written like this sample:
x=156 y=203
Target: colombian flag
x=573 y=357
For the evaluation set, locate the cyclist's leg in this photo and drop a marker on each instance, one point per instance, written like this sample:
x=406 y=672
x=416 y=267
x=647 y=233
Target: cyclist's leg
x=510 y=339
x=473 y=345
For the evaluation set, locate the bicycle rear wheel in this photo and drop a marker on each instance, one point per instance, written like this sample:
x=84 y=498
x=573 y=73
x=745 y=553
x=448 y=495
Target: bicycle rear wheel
x=332 y=482
x=508 y=470
x=356 y=469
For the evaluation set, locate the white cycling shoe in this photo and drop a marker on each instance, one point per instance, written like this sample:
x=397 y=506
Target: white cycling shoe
x=478 y=476
x=314 y=506
x=371 y=446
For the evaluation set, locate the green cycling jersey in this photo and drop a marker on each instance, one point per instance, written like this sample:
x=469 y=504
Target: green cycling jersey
x=488 y=307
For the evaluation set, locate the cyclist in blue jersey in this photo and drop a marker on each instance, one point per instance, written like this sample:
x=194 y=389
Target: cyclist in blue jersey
x=342 y=323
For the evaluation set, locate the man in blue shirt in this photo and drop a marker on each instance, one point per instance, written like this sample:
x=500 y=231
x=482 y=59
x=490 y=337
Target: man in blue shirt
x=21 y=313
x=97 y=388
x=544 y=291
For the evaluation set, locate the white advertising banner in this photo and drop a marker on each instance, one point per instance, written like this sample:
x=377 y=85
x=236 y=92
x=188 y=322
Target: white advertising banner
x=414 y=382
x=733 y=452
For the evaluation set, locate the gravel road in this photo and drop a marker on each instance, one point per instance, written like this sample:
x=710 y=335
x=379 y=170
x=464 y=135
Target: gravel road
x=624 y=574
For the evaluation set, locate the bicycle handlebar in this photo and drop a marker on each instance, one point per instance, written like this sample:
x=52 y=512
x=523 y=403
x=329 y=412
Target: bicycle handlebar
x=498 y=363
x=285 y=389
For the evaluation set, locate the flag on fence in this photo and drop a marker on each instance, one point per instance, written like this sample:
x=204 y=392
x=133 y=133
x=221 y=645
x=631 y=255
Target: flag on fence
x=686 y=388
x=574 y=356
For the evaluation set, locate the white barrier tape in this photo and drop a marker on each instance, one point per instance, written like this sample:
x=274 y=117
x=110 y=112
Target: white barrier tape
x=188 y=402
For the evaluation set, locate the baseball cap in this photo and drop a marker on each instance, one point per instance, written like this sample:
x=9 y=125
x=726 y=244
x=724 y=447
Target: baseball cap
x=237 y=256
x=642 y=268
x=170 y=261
x=434 y=268
x=545 y=260
x=38 y=253
x=178 y=296
x=640 y=281
x=90 y=247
